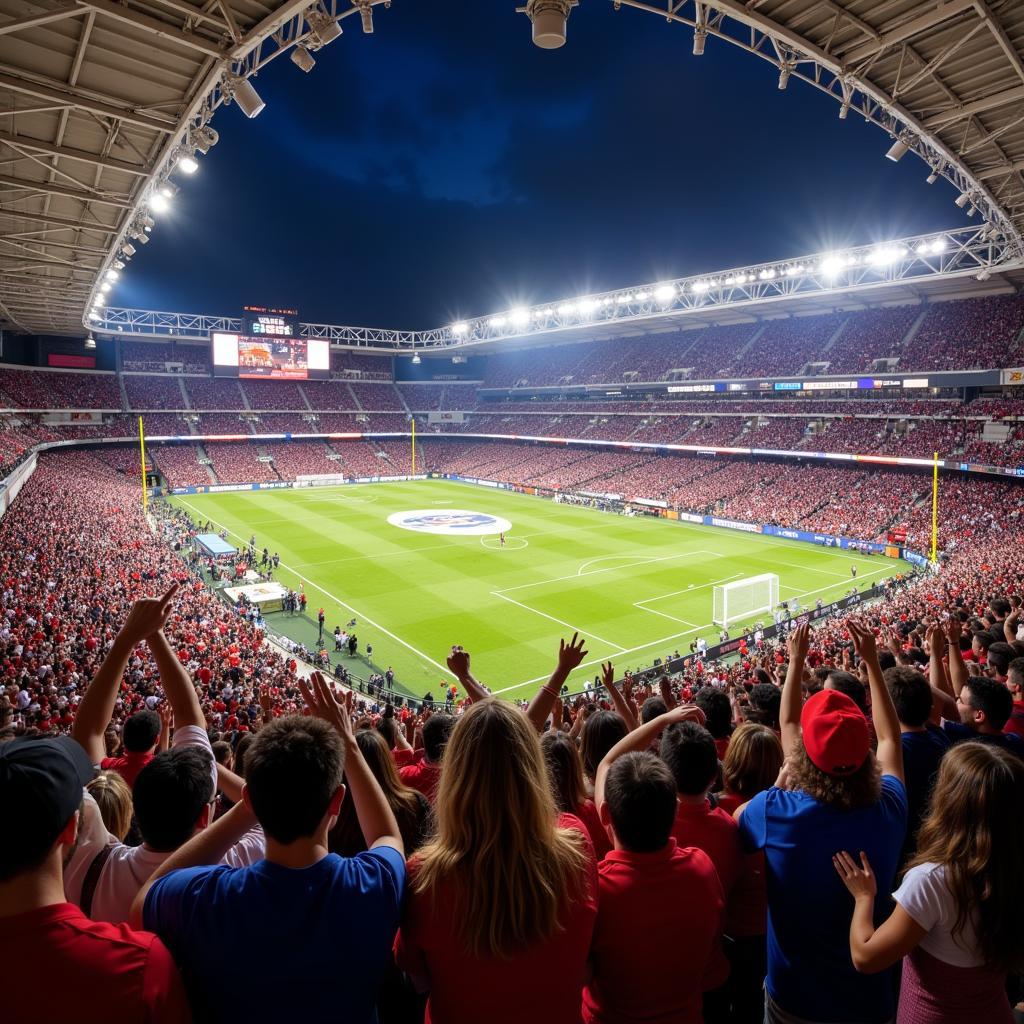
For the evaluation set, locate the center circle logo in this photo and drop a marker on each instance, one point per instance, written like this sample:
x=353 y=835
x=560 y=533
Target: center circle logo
x=455 y=522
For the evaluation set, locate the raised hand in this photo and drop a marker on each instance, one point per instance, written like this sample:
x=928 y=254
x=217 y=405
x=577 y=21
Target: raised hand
x=683 y=713
x=665 y=685
x=863 y=640
x=323 y=704
x=608 y=676
x=571 y=654
x=458 y=663
x=858 y=878
x=148 y=615
x=934 y=638
x=266 y=704
x=953 y=629
x=799 y=641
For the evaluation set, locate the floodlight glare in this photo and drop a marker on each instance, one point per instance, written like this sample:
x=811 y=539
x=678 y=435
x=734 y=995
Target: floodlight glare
x=664 y=293
x=112 y=275
x=831 y=265
x=897 y=151
x=159 y=203
x=520 y=316
x=187 y=164
x=93 y=315
x=496 y=321
x=642 y=296
x=459 y=329
x=699 y=286
x=566 y=309
x=105 y=287
x=939 y=245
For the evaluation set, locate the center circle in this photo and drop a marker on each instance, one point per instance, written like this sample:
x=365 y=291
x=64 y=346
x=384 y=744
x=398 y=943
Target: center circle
x=455 y=522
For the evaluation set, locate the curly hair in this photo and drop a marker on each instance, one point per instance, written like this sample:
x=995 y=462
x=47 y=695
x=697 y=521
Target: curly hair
x=847 y=792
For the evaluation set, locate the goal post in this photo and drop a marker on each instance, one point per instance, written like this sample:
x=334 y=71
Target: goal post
x=741 y=599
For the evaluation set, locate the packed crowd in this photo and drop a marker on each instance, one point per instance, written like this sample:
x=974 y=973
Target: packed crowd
x=826 y=829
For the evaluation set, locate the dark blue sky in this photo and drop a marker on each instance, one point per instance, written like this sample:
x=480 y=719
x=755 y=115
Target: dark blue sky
x=445 y=167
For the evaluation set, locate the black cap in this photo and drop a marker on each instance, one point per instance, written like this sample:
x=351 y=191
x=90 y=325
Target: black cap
x=41 y=784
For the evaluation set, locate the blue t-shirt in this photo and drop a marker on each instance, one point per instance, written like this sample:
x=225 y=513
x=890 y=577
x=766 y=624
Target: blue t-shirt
x=960 y=733
x=268 y=942
x=922 y=755
x=810 y=972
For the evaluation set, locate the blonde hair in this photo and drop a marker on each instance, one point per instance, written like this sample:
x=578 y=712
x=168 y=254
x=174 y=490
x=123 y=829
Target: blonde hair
x=512 y=870
x=114 y=799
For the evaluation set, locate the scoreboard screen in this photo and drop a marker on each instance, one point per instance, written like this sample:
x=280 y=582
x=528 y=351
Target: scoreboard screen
x=270 y=357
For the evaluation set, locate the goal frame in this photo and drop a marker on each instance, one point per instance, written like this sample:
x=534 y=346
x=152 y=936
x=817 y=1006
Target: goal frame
x=722 y=613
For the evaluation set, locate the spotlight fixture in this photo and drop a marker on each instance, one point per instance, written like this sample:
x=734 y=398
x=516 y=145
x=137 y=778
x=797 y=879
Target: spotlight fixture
x=242 y=91
x=366 y=15
x=118 y=265
x=700 y=35
x=983 y=275
x=844 y=110
x=520 y=316
x=93 y=315
x=323 y=27
x=898 y=150
x=459 y=329
x=187 y=164
x=665 y=293
x=168 y=189
x=205 y=138
x=112 y=274
x=90 y=341
x=549 y=18
x=302 y=58
x=128 y=250
x=785 y=70
x=416 y=359
x=159 y=203
x=963 y=199
x=933 y=176
x=147 y=222
x=105 y=287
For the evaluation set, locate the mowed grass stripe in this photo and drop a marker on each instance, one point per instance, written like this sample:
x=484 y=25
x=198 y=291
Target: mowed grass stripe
x=593 y=570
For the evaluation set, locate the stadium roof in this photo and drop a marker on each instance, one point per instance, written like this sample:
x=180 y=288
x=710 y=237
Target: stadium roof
x=100 y=99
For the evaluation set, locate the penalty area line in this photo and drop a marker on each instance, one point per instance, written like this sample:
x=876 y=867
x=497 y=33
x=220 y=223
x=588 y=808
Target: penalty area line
x=343 y=604
x=561 y=622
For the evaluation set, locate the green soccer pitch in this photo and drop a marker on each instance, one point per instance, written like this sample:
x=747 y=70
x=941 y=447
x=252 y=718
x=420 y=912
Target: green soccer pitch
x=636 y=588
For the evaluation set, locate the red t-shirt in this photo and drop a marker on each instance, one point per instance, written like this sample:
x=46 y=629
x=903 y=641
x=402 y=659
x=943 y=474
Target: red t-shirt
x=587 y=813
x=71 y=968
x=128 y=766
x=537 y=985
x=721 y=746
x=716 y=833
x=647 y=968
x=424 y=776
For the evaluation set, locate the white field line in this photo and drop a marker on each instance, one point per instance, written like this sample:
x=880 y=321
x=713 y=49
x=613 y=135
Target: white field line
x=655 y=643
x=582 y=570
x=642 y=605
x=665 y=615
x=561 y=622
x=343 y=604
x=611 y=568
x=810 y=568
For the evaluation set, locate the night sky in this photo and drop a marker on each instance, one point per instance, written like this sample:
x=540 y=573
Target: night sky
x=445 y=167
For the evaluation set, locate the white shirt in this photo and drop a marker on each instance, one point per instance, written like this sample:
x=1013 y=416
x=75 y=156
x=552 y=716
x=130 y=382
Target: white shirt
x=128 y=867
x=925 y=896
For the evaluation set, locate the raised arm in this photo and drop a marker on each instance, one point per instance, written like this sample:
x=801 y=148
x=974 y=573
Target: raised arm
x=957 y=668
x=458 y=663
x=943 y=705
x=1010 y=626
x=376 y=819
x=181 y=693
x=622 y=708
x=792 y=691
x=883 y=711
x=569 y=656
x=640 y=739
x=146 y=616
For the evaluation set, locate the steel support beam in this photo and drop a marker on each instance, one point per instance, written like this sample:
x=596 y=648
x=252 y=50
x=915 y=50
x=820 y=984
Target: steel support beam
x=940 y=13
x=68 y=153
x=50 y=188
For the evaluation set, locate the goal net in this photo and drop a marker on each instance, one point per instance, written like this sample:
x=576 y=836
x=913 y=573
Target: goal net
x=742 y=599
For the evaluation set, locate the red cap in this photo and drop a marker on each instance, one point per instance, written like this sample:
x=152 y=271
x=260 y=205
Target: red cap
x=835 y=733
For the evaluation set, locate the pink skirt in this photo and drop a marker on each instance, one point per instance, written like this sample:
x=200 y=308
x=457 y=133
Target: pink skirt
x=934 y=992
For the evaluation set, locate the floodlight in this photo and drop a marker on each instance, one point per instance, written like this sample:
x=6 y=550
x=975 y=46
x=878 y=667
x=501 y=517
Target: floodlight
x=323 y=27
x=971 y=211
x=897 y=151
x=159 y=203
x=566 y=309
x=99 y=301
x=496 y=321
x=416 y=358
x=93 y=315
x=549 y=18
x=699 y=286
x=831 y=265
x=459 y=329
x=932 y=177
x=628 y=298
x=168 y=189
x=520 y=316
x=128 y=249
x=939 y=245
x=365 y=15
x=147 y=222
x=112 y=275
x=664 y=293
x=963 y=199
x=105 y=287
x=90 y=341
x=785 y=70
x=242 y=91
x=118 y=265
x=844 y=110
x=204 y=139
x=700 y=35
x=767 y=274
x=642 y=296
x=983 y=275
x=187 y=164
x=302 y=58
